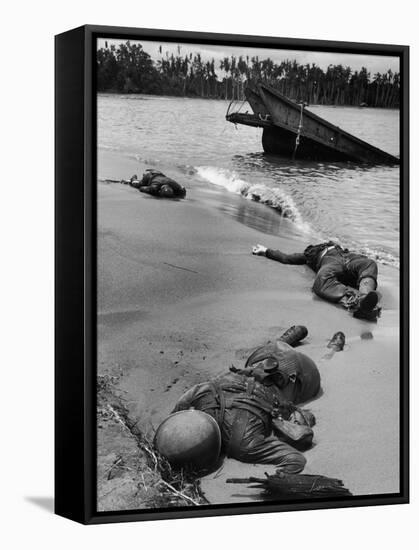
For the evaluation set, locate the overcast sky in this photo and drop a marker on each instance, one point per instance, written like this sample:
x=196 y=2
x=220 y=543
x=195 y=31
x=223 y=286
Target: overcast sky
x=373 y=63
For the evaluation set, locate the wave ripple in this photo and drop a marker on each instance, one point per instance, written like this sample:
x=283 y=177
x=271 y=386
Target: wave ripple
x=275 y=197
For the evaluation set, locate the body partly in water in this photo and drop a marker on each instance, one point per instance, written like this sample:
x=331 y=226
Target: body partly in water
x=190 y=140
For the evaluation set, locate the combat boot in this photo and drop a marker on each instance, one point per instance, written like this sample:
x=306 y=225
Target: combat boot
x=368 y=299
x=368 y=315
x=337 y=343
x=293 y=335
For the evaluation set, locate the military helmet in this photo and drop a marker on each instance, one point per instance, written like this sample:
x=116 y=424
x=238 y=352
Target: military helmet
x=189 y=438
x=307 y=383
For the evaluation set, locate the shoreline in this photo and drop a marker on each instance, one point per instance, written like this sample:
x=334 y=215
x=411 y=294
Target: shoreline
x=177 y=306
x=115 y=92
x=271 y=212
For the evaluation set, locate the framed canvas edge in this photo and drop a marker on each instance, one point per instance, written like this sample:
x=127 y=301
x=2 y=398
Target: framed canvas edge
x=85 y=449
x=244 y=39
x=69 y=276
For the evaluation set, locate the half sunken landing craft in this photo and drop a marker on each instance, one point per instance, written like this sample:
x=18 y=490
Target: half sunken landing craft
x=292 y=131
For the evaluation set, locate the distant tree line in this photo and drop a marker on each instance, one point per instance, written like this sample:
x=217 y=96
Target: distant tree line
x=129 y=69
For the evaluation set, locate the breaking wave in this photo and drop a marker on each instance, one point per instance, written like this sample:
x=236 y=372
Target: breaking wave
x=274 y=197
x=277 y=198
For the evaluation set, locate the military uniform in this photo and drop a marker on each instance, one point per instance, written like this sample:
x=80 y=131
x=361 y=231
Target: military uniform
x=156 y=183
x=340 y=275
x=244 y=403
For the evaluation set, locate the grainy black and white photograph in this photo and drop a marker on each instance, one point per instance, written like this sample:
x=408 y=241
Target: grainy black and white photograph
x=248 y=262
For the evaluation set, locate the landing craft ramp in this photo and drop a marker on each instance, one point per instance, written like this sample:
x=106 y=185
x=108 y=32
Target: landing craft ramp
x=289 y=129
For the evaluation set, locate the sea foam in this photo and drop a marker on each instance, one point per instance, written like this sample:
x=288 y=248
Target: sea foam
x=275 y=197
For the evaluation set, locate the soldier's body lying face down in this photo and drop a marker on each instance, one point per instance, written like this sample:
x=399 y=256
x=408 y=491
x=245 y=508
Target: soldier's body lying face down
x=157 y=184
x=256 y=407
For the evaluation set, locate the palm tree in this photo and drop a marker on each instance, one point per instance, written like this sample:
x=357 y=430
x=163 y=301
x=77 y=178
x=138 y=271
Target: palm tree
x=225 y=66
x=128 y=68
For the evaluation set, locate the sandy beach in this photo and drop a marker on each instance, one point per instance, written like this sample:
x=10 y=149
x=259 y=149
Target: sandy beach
x=181 y=298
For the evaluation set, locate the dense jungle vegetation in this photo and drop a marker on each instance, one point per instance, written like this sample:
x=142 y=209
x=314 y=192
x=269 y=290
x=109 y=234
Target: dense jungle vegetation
x=127 y=68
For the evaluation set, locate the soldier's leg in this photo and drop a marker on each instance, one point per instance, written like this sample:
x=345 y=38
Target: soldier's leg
x=327 y=284
x=364 y=271
x=271 y=450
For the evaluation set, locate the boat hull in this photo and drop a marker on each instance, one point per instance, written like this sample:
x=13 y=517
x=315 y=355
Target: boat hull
x=278 y=141
x=284 y=121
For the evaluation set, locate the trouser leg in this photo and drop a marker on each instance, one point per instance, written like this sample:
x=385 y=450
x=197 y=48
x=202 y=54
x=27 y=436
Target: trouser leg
x=364 y=271
x=327 y=284
x=367 y=284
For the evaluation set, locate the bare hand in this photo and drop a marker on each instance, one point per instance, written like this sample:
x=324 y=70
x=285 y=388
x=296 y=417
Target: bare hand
x=259 y=250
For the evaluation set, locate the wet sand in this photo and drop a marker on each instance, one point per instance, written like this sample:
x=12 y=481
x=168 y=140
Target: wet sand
x=181 y=298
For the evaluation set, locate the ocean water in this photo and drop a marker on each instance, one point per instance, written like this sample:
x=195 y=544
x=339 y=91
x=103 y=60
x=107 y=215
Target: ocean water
x=190 y=140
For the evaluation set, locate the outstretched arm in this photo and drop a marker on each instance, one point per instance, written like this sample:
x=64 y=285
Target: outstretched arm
x=297 y=258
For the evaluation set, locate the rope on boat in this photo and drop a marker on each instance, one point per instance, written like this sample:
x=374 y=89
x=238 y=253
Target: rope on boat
x=242 y=103
x=232 y=103
x=229 y=106
x=300 y=127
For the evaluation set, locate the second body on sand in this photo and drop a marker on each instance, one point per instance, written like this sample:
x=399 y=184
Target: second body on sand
x=342 y=276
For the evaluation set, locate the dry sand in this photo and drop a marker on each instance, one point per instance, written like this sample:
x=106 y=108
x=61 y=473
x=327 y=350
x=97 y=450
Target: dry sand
x=181 y=298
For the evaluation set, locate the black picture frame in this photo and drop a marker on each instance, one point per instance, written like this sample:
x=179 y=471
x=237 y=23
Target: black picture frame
x=76 y=272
